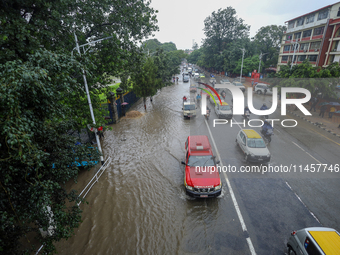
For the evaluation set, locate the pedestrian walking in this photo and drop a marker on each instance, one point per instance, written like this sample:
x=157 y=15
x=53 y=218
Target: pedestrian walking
x=314 y=103
x=331 y=111
x=322 y=110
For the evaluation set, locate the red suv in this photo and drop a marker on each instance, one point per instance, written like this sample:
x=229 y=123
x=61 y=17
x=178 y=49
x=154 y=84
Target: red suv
x=202 y=178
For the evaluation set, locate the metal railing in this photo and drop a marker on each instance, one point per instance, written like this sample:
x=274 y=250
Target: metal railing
x=95 y=178
x=89 y=186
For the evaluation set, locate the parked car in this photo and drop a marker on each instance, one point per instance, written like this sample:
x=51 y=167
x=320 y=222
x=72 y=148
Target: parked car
x=315 y=240
x=253 y=146
x=201 y=178
x=239 y=85
x=223 y=111
x=262 y=88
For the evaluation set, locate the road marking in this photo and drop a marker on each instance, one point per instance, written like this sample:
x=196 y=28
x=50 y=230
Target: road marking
x=232 y=195
x=307 y=153
x=303 y=203
x=324 y=136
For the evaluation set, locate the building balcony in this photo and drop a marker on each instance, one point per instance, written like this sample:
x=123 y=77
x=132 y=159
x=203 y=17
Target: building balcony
x=317 y=37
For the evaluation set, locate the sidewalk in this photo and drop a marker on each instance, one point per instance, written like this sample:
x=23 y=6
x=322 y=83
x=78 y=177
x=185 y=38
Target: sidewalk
x=331 y=125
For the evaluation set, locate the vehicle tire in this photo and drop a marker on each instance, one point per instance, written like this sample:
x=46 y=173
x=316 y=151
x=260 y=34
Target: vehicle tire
x=259 y=92
x=290 y=251
x=269 y=139
x=246 y=157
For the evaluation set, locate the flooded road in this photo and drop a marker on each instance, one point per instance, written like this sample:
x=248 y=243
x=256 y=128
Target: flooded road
x=139 y=205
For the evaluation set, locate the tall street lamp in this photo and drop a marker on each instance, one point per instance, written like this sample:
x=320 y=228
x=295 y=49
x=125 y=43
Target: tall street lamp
x=87 y=89
x=243 y=51
x=260 y=57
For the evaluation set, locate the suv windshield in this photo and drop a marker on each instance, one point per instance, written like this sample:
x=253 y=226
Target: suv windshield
x=256 y=143
x=201 y=161
x=189 y=107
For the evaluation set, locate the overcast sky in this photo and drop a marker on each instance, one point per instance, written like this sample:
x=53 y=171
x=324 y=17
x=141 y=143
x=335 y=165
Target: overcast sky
x=182 y=21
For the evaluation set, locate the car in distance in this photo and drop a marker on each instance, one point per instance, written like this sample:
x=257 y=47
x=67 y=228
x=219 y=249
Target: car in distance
x=315 y=240
x=224 y=81
x=253 y=146
x=262 y=88
x=223 y=111
x=202 y=75
x=201 y=178
x=239 y=85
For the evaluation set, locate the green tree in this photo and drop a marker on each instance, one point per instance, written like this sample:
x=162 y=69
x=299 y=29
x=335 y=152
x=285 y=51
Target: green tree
x=169 y=46
x=249 y=65
x=222 y=29
x=268 y=40
x=36 y=113
x=145 y=80
x=42 y=97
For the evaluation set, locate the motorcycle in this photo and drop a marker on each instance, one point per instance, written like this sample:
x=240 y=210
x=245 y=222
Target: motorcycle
x=246 y=115
x=268 y=134
x=223 y=94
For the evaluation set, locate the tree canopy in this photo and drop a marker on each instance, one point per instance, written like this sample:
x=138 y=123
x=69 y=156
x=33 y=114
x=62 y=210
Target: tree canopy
x=43 y=98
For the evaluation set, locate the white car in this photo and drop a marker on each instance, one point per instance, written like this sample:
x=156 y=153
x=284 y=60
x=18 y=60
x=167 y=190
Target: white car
x=262 y=88
x=189 y=109
x=223 y=111
x=239 y=85
x=253 y=146
x=224 y=81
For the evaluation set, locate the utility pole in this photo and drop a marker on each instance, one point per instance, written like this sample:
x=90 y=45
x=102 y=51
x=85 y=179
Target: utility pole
x=295 y=45
x=88 y=95
x=243 y=51
x=260 y=57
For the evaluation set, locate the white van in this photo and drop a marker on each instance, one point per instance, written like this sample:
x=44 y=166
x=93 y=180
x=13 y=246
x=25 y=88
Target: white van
x=189 y=109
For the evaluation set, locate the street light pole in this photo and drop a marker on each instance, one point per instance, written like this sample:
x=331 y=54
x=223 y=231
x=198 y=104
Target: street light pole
x=260 y=57
x=243 y=51
x=89 y=101
x=296 y=45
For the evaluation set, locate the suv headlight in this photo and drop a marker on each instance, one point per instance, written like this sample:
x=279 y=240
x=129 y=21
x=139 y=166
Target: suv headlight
x=251 y=154
x=189 y=187
x=268 y=155
x=219 y=186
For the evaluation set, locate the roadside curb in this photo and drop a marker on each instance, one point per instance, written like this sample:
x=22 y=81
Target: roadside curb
x=315 y=124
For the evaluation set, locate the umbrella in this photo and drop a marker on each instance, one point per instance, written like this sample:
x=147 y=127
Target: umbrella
x=125 y=103
x=323 y=103
x=334 y=103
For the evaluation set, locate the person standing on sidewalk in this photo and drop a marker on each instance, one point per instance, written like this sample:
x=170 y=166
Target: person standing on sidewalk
x=322 y=110
x=314 y=103
x=331 y=111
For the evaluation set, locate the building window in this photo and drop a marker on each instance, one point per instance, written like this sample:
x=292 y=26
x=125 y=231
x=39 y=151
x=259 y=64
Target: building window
x=289 y=37
x=299 y=22
x=304 y=46
x=297 y=35
x=312 y=58
x=301 y=58
x=335 y=47
x=286 y=48
x=291 y=24
x=315 y=45
x=318 y=31
x=307 y=33
x=338 y=12
x=323 y=14
x=310 y=18
x=284 y=58
x=331 y=59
